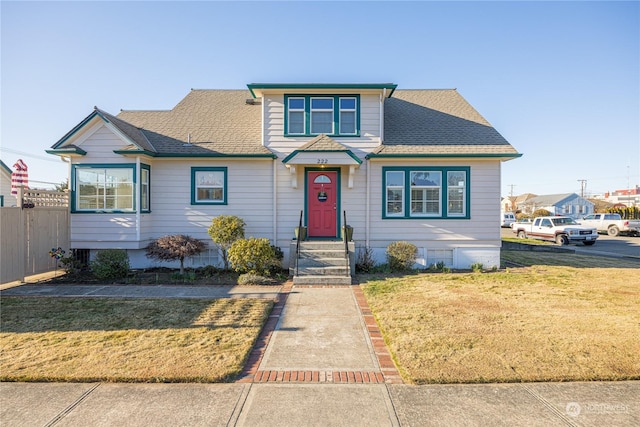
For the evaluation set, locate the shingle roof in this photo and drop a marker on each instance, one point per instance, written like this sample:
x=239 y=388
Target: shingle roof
x=213 y=121
x=439 y=122
x=323 y=143
x=222 y=122
x=549 y=199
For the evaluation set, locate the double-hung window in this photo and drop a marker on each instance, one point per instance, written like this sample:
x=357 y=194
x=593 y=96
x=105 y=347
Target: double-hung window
x=296 y=122
x=426 y=190
x=395 y=193
x=103 y=188
x=145 y=188
x=430 y=192
x=322 y=115
x=348 y=113
x=310 y=115
x=209 y=186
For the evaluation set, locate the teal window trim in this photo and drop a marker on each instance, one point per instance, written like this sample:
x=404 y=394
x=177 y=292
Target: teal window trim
x=194 y=187
x=1 y=201
x=444 y=192
x=147 y=201
x=336 y=114
x=75 y=193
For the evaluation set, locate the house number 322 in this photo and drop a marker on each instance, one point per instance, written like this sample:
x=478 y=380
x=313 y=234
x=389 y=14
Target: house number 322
x=323 y=161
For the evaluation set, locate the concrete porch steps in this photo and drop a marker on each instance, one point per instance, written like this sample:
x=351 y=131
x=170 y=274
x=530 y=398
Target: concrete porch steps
x=322 y=263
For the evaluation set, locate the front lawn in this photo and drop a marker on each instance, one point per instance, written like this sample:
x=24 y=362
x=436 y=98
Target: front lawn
x=553 y=319
x=127 y=340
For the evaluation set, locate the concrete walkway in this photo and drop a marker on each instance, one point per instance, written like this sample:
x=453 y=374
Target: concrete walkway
x=320 y=361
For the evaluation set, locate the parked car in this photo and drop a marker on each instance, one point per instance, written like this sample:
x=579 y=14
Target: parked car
x=612 y=224
x=560 y=229
x=506 y=219
x=521 y=221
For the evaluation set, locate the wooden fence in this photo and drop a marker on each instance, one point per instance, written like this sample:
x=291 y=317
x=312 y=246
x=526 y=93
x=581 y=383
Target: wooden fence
x=30 y=231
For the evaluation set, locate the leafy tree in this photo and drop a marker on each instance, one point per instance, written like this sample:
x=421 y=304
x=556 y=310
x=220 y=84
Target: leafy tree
x=175 y=247
x=224 y=230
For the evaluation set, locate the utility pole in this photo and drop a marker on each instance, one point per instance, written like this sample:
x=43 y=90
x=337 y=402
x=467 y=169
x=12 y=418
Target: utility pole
x=511 y=192
x=583 y=185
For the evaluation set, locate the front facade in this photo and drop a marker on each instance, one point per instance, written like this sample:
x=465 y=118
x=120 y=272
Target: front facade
x=415 y=165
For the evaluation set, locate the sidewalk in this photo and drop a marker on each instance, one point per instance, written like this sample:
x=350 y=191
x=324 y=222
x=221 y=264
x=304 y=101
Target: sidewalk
x=320 y=362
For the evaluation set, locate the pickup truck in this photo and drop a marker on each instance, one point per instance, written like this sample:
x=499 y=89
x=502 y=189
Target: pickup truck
x=612 y=224
x=560 y=229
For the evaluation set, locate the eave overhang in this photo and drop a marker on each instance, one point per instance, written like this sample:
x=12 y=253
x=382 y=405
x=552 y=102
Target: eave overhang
x=259 y=89
x=497 y=156
x=189 y=155
x=70 y=151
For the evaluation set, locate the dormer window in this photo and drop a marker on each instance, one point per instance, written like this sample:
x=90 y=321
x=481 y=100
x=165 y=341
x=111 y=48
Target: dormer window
x=333 y=115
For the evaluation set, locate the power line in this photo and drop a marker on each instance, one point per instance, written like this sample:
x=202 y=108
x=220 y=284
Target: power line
x=33 y=156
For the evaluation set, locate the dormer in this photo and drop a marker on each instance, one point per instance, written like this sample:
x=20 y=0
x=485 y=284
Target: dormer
x=295 y=113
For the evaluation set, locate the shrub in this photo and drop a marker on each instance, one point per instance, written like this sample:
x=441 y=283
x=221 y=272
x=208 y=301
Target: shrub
x=71 y=265
x=254 y=255
x=477 y=267
x=224 y=230
x=540 y=212
x=175 y=247
x=401 y=255
x=254 y=279
x=365 y=262
x=110 y=264
x=276 y=267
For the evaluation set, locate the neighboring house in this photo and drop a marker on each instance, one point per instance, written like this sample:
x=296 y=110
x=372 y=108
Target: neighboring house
x=6 y=198
x=627 y=198
x=569 y=204
x=415 y=165
x=513 y=203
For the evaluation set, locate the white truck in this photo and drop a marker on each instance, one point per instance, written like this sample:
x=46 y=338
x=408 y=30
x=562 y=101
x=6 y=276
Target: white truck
x=560 y=229
x=612 y=224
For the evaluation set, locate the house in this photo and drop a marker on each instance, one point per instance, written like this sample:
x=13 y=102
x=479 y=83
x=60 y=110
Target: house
x=568 y=204
x=415 y=165
x=6 y=198
x=512 y=203
x=625 y=198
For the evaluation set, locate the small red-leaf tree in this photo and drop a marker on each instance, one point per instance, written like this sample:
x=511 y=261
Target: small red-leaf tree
x=175 y=247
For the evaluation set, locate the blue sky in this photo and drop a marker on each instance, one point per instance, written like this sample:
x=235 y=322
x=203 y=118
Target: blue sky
x=559 y=80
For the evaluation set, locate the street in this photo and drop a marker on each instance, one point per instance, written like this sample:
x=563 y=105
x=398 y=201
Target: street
x=605 y=245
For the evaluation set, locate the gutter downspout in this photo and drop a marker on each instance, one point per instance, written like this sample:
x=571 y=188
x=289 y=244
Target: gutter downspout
x=137 y=193
x=367 y=212
x=275 y=204
x=68 y=161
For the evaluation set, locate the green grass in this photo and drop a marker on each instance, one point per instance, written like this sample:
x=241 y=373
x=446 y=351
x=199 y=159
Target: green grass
x=127 y=340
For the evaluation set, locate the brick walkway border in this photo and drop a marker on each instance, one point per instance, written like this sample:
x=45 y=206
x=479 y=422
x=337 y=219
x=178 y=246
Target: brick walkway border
x=388 y=372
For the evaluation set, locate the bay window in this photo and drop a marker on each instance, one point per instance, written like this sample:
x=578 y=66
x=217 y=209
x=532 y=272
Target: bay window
x=108 y=188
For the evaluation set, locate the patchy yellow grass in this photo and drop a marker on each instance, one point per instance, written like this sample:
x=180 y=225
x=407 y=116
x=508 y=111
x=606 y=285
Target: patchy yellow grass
x=129 y=340
x=535 y=323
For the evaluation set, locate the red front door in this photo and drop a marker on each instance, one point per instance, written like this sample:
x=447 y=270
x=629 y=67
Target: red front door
x=321 y=195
